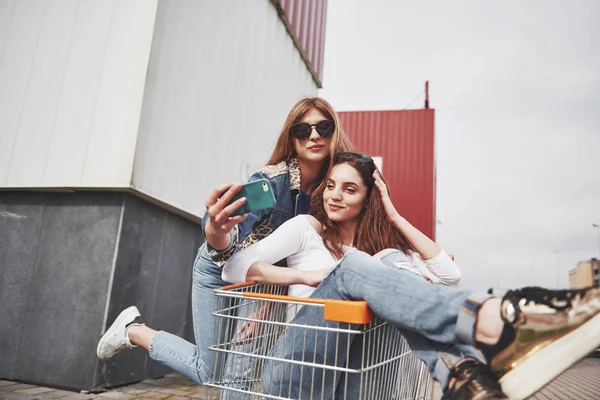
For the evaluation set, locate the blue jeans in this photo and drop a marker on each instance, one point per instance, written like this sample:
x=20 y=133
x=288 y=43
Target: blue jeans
x=438 y=323
x=194 y=360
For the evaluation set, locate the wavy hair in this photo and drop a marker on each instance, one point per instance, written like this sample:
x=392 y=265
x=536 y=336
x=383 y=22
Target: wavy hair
x=374 y=230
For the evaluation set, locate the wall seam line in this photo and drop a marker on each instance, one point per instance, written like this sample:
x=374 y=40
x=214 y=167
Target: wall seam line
x=37 y=41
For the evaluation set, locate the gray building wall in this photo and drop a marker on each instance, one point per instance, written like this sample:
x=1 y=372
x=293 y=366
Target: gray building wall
x=72 y=80
x=222 y=77
x=71 y=261
x=158 y=99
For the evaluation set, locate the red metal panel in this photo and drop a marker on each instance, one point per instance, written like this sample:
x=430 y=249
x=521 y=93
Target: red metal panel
x=286 y=6
x=307 y=18
x=320 y=37
x=302 y=35
x=296 y=16
x=312 y=23
x=405 y=141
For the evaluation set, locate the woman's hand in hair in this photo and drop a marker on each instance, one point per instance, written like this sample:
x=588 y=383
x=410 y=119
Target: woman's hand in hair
x=426 y=247
x=390 y=210
x=220 y=222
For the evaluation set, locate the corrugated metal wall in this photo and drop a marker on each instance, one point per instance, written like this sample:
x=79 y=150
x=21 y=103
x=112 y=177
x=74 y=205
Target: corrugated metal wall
x=405 y=141
x=307 y=18
x=72 y=78
x=221 y=80
x=215 y=81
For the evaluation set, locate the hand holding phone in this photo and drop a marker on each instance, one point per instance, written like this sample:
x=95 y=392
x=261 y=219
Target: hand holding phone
x=221 y=219
x=220 y=222
x=259 y=196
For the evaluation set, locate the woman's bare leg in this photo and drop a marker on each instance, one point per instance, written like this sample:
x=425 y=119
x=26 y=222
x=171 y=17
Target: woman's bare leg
x=141 y=335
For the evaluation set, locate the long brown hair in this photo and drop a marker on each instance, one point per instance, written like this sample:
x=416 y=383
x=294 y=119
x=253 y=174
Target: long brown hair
x=284 y=147
x=374 y=230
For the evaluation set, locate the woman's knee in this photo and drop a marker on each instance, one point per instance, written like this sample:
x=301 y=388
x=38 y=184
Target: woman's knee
x=355 y=263
x=355 y=257
x=391 y=257
x=383 y=253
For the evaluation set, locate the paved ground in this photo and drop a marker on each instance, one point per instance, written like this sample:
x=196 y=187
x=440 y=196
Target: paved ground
x=581 y=382
x=173 y=387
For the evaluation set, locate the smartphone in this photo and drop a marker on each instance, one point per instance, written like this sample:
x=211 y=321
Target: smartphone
x=259 y=195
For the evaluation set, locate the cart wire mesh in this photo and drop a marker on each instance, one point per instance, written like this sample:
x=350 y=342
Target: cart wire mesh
x=271 y=346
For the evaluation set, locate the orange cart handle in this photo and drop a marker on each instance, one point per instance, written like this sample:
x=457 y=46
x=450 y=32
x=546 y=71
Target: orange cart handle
x=349 y=311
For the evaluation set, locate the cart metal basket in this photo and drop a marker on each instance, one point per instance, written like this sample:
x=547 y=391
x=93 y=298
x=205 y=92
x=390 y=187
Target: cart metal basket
x=271 y=346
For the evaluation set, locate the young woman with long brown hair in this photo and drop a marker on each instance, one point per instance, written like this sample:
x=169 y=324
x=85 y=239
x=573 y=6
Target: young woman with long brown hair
x=348 y=213
x=301 y=158
x=527 y=338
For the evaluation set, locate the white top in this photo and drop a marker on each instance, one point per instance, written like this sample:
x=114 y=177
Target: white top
x=295 y=240
x=301 y=245
x=439 y=269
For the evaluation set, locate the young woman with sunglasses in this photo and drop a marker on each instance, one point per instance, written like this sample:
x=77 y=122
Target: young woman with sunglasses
x=300 y=160
x=346 y=215
x=527 y=338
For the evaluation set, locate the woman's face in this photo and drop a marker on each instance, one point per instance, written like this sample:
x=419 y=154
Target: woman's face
x=315 y=148
x=344 y=194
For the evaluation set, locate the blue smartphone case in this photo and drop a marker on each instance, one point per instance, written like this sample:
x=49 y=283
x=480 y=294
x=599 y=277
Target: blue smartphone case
x=258 y=194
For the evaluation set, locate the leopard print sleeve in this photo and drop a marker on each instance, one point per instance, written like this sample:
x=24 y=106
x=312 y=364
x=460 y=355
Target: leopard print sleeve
x=220 y=257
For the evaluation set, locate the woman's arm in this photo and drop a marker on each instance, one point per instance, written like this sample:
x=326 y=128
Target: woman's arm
x=426 y=247
x=218 y=224
x=441 y=269
x=282 y=243
x=263 y=272
x=224 y=233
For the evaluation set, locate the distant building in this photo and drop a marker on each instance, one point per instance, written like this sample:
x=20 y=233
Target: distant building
x=585 y=274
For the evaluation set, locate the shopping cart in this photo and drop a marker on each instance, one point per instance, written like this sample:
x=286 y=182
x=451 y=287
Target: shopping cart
x=331 y=349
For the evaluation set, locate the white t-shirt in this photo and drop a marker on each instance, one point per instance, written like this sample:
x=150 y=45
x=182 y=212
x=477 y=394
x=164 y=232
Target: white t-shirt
x=439 y=269
x=299 y=243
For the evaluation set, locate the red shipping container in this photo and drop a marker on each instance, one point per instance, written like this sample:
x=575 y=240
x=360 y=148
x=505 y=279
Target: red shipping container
x=404 y=140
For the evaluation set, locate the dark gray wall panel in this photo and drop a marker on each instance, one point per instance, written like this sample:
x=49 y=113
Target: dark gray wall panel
x=56 y=264
x=20 y=225
x=153 y=271
x=134 y=282
x=174 y=279
x=68 y=292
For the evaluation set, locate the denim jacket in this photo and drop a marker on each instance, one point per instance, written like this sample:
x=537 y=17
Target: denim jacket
x=289 y=202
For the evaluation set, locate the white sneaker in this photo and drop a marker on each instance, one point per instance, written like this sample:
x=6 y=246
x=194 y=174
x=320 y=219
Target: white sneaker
x=116 y=337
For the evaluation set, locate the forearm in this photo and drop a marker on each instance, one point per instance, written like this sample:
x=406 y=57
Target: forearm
x=266 y=273
x=426 y=247
x=442 y=269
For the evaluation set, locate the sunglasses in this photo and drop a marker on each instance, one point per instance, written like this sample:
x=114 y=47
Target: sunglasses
x=302 y=130
x=364 y=158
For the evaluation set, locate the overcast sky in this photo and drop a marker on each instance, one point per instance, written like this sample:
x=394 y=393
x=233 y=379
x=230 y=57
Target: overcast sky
x=516 y=88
